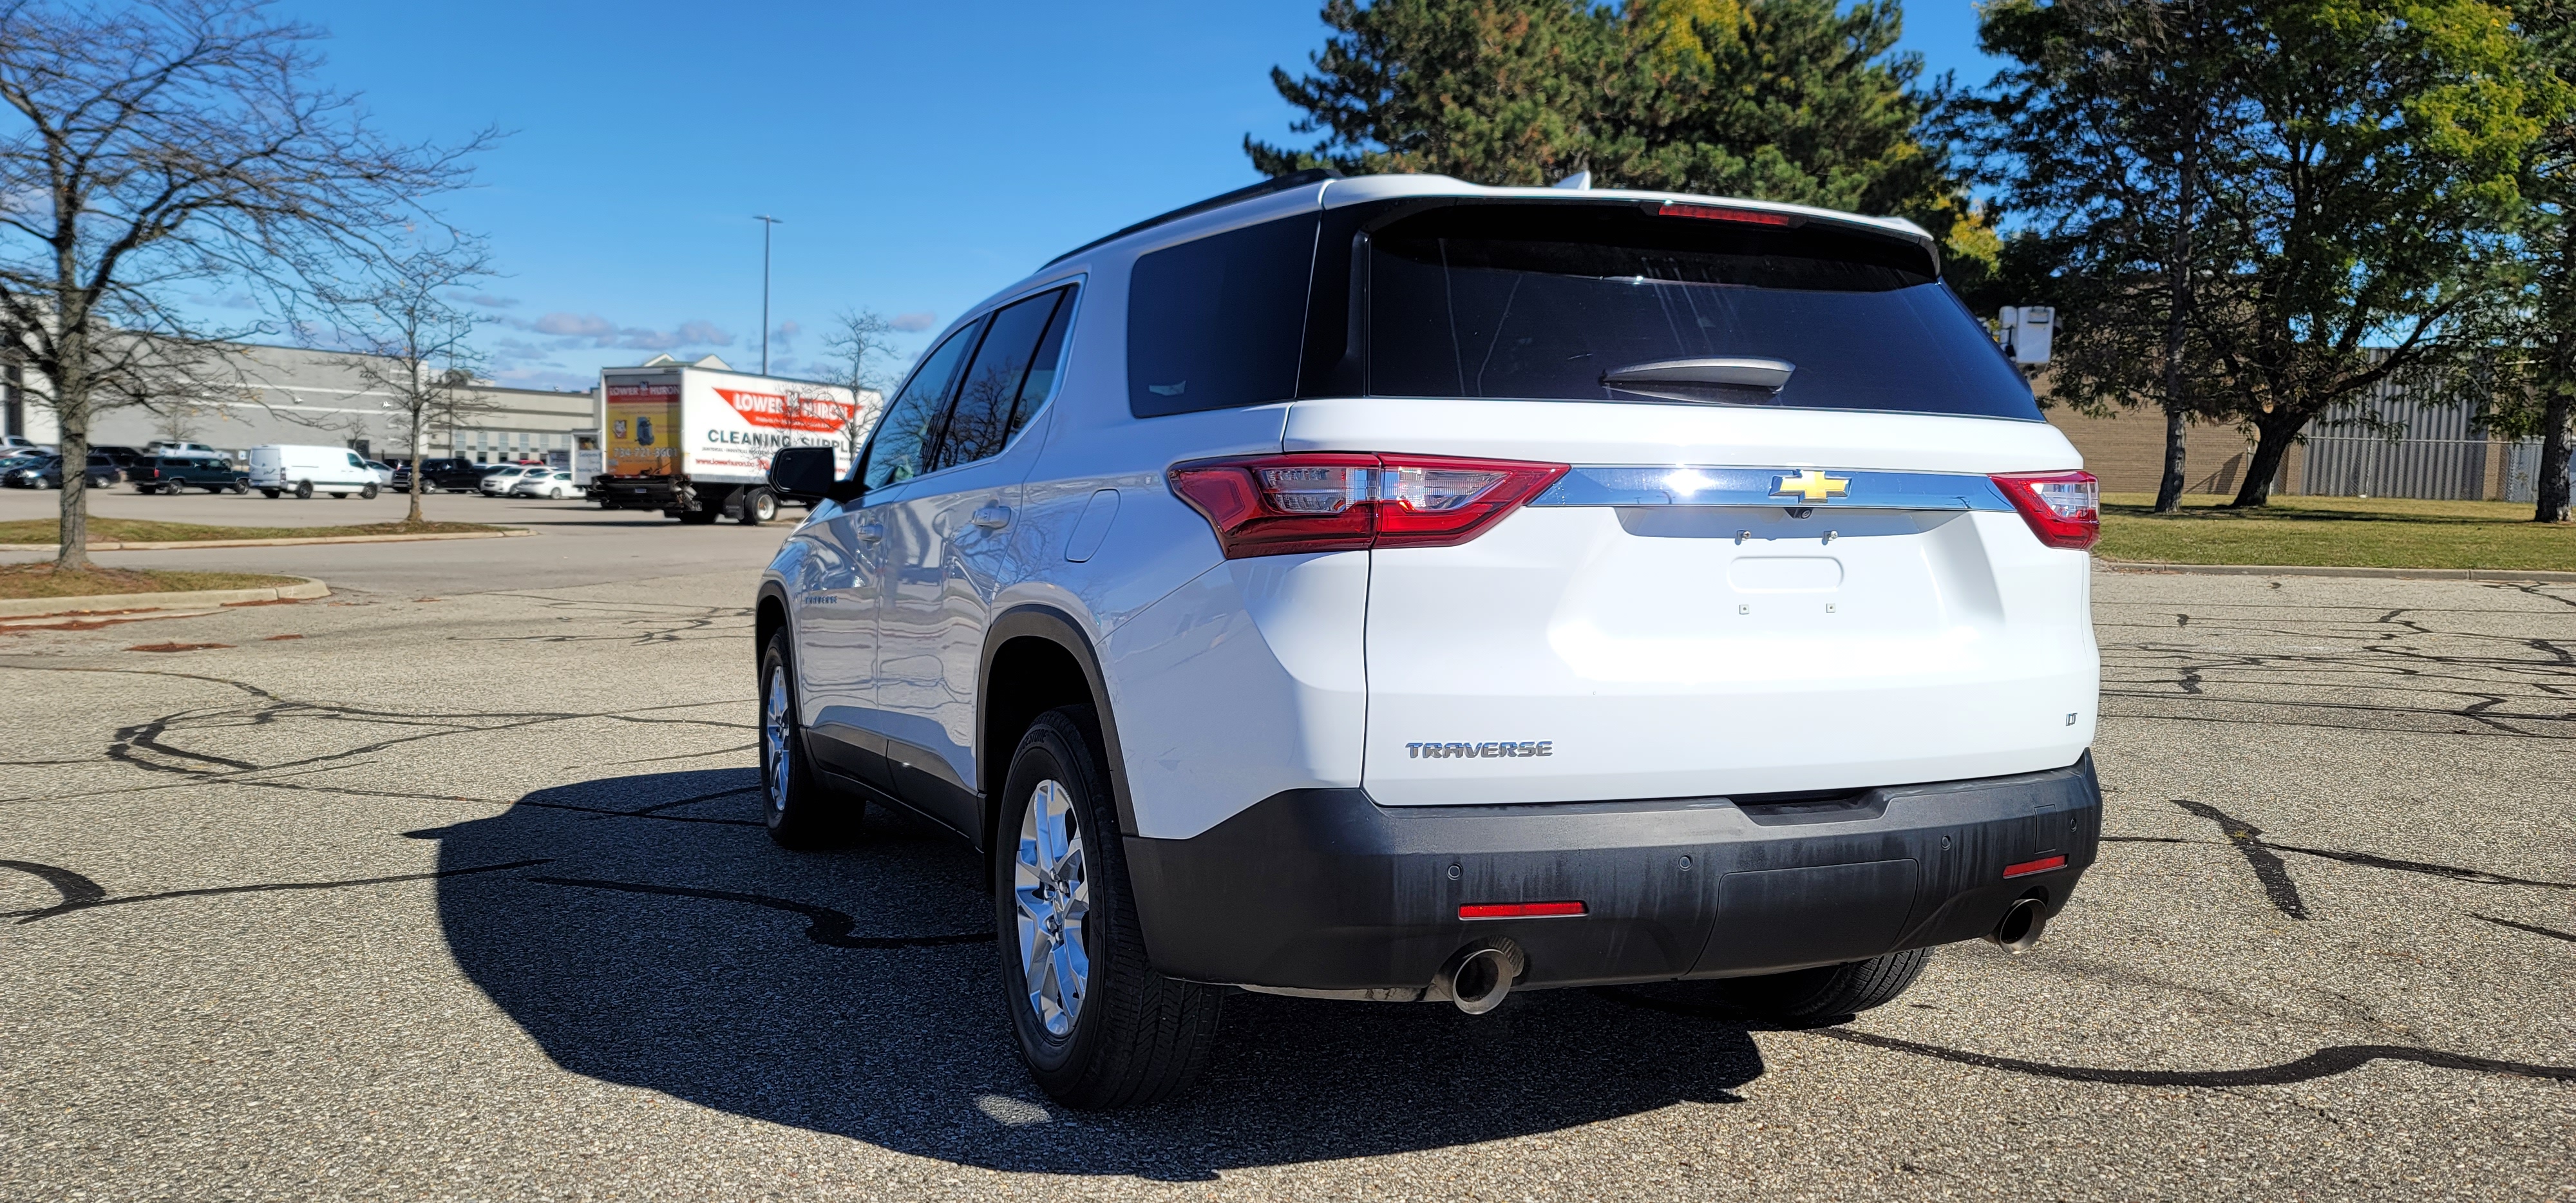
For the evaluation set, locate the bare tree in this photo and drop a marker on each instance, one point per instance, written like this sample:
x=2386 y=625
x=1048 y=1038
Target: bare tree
x=411 y=344
x=864 y=360
x=157 y=148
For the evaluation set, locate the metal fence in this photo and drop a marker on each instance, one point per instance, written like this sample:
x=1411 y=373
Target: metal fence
x=2373 y=466
x=2522 y=470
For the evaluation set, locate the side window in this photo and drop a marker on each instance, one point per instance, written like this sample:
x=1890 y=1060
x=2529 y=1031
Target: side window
x=979 y=422
x=1219 y=322
x=895 y=451
x=1043 y=367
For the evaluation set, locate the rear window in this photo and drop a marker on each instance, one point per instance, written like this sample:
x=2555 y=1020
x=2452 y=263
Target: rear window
x=1219 y=322
x=1551 y=302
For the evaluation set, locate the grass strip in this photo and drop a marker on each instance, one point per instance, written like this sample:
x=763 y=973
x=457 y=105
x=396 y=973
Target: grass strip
x=2336 y=532
x=42 y=580
x=146 y=530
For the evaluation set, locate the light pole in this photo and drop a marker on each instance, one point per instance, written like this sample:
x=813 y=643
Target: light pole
x=766 y=221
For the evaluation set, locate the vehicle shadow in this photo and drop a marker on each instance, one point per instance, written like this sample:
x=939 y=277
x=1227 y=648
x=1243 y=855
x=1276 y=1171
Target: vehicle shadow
x=644 y=930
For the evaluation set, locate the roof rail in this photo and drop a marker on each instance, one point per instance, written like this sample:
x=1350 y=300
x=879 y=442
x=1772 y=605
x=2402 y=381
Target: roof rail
x=1294 y=179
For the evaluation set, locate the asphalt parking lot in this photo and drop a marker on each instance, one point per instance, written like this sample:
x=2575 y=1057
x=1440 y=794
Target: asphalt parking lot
x=452 y=886
x=585 y=543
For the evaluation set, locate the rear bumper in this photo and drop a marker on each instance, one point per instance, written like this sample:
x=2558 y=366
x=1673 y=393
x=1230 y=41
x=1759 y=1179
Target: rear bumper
x=1326 y=890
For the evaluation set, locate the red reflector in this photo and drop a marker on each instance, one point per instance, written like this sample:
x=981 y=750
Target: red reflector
x=1753 y=217
x=2028 y=867
x=1523 y=910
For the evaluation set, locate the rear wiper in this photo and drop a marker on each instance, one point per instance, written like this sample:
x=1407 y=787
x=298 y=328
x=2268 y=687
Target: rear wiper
x=1735 y=381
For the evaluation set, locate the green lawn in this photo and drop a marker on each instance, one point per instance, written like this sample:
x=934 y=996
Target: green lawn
x=144 y=530
x=40 y=580
x=2337 y=532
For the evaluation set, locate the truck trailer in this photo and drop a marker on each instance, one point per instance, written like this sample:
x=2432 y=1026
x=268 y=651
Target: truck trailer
x=693 y=440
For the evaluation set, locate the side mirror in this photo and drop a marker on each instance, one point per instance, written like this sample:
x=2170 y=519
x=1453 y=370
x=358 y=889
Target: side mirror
x=809 y=475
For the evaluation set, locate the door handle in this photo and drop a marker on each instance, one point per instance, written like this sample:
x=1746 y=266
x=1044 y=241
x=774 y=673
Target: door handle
x=992 y=517
x=869 y=532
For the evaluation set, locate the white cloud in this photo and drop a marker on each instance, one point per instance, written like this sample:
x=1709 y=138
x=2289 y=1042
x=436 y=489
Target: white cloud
x=914 y=323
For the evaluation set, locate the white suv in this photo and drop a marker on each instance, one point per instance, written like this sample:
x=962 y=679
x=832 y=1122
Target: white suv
x=1396 y=589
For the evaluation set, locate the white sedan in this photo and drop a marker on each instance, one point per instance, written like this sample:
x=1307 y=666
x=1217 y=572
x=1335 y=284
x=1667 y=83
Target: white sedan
x=498 y=481
x=553 y=483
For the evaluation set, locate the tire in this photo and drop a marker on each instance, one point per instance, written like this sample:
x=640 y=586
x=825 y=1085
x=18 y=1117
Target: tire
x=368 y=493
x=304 y=490
x=798 y=810
x=1826 y=993
x=241 y=488
x=758 y=505
x=1102 y=1029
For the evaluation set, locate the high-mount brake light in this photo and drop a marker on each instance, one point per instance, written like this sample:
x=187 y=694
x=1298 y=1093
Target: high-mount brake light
x=2063 y=508
x=1750 y=217
x=1276 y=505
x=1521 y=910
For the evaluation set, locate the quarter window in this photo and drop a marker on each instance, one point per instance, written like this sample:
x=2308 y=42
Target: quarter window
x=1219 y=322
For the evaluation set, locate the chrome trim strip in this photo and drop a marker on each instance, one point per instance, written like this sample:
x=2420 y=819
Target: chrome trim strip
x=1689 y=485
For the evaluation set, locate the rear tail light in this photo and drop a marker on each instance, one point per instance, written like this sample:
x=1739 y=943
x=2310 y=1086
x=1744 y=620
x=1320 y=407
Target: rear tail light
x=1275 y=505
x=2063 y=508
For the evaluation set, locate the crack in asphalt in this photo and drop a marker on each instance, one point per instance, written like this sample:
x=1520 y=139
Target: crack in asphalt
x=824 y=925
x=2268 y=869
x=70 y=904
x=2325 y=1062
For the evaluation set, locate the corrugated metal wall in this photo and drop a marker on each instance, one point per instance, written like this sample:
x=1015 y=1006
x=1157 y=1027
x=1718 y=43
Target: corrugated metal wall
x=2437 y=451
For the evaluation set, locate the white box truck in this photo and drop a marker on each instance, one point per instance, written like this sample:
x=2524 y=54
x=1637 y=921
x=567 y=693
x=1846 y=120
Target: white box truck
x=288 y=468
x=693 y=440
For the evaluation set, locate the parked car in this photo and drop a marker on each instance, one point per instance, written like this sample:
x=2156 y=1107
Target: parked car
x=280 y=468
x=497 y=481
x=126 y=457
x=384 y=471
x=1418 y=591
x=545 y=482
x=174 y=447
x=18 y=444
x=175 y=474
x=26 y=471
x=47 y=473
x=454 y=475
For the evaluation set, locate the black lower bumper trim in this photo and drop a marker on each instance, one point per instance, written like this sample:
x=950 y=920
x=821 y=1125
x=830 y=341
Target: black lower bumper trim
x=1326 y=890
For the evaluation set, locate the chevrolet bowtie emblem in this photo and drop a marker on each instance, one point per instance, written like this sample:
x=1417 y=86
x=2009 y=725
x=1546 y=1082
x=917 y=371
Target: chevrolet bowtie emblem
x=1811 y=485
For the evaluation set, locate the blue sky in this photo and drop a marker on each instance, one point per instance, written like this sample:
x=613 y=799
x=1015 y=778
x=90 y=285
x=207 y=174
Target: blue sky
x=920 y=155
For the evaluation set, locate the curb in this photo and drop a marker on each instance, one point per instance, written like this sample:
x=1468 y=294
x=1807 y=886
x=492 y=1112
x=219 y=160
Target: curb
x=2498 y=575
x=181 y=544
x=123 y=603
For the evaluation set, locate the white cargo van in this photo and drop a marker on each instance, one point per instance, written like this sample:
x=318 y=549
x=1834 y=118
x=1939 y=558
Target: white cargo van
x=289 y=468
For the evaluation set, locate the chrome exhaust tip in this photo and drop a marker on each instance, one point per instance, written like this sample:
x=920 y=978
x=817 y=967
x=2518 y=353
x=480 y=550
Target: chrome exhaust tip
x=2021 y=925
x=1477 y=977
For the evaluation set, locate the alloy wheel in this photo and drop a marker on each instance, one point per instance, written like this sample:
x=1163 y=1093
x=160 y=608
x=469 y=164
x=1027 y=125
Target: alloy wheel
x=775 y=744
x=1053 y=894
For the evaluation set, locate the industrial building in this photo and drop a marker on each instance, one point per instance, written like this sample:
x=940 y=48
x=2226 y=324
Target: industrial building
x=301 y=395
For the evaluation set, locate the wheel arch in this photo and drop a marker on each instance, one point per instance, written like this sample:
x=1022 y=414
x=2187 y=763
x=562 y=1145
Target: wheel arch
x=768 y=617
x=1037 y=658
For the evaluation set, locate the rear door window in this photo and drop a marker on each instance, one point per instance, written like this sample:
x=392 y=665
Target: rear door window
x=1549 y=302
x=1219 y=322
x=980 y=420
x=897 y=451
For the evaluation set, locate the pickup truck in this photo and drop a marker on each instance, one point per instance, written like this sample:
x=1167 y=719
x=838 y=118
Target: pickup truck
x=179 y=473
